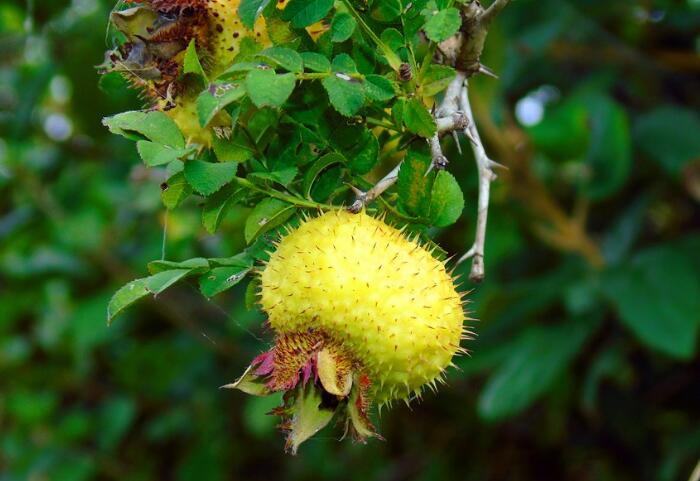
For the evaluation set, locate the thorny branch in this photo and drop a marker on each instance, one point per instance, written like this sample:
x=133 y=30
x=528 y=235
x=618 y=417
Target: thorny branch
x=448 y=119
x=362 y=198
x=454 y=114
x=484 y=167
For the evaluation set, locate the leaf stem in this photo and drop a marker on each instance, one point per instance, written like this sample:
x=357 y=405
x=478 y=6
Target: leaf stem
x=284 y=197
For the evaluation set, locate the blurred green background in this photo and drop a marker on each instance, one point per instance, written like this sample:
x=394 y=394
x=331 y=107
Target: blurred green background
x=586 y=364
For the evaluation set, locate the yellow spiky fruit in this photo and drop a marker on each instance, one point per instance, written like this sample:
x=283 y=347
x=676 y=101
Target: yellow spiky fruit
x=362 y=283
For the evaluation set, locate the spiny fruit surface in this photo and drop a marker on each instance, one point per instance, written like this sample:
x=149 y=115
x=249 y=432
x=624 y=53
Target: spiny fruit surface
x=361 y=282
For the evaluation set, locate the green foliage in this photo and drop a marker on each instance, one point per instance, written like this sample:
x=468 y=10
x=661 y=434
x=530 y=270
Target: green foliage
x=582 y=362
x=442 y=24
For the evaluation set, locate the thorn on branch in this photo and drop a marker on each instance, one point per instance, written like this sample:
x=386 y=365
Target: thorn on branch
x=363 y=198
x=486 y=176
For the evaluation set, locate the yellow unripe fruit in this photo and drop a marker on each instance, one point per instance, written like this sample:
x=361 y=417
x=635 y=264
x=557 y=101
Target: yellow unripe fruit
x=383 y=297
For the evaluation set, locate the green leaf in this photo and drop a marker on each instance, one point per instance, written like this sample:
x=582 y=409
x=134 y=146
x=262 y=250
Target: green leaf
x=316 y=62
x=212 y=100
x=386 y=10
x=286 y=58
x=379 y=88
x=343 y=63
x=221 y=279
x=267 y=214
x=235 y=149
x=126 y=296
x=242 y=259
x=175 y=190
x=346 y=94
x=363 y=156
x=155 y=126
x=154 y=154
x=319 y=166
x=250 y=10
x=446 y=200
x=342 y=27
x=393 y=39
x=252 y=296
x=303 y=13
x=283 y=176
x=191 y=63
x=443 y=24
x=417 y=118
x=413 y=185
x=217 y=205
x=535 y=360
x=196 y=265
x=657 y=296
x=610 y=154
x=436 y=79
x=139 y=288
x=208 y=177
x=669 y=136
x=267 y=88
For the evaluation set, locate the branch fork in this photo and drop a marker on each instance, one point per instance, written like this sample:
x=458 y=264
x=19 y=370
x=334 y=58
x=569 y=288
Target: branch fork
x=453 y=115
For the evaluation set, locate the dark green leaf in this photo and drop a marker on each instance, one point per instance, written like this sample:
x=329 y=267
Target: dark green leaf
x=535 y=360
x=669 y=136
x=657 y=295
x=252 y=293
x=267 y=214
x=386 y=10
x=363 y=156
x=319 y=166
x=283 y=176
x=610 y=153
x=217 y=205
x=303 y=13
x=220 y=279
